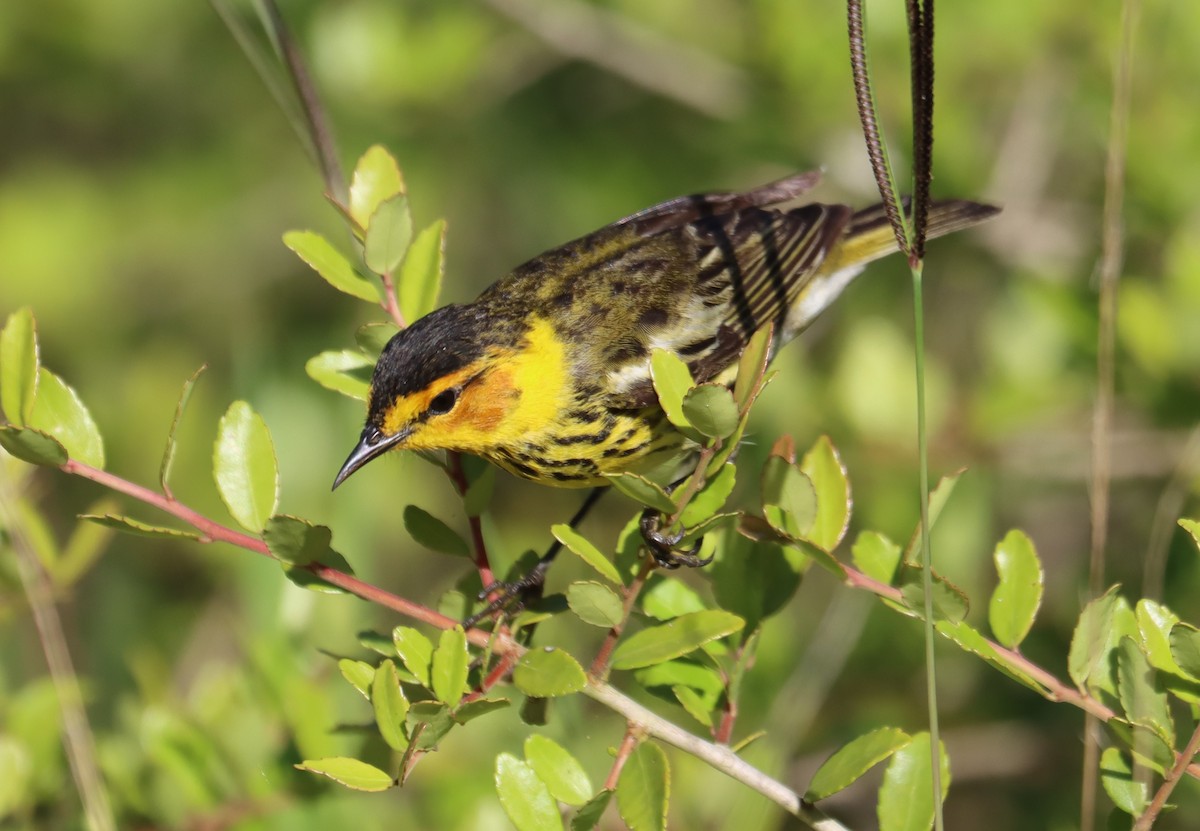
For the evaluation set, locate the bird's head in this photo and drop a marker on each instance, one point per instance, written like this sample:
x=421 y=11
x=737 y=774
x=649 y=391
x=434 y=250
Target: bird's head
x=455 y=380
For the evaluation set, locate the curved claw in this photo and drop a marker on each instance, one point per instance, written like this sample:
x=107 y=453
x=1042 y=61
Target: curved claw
x=512 y=596
x=662 y=546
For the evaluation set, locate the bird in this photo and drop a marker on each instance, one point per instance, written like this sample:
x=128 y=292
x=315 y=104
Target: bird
x=547 y=373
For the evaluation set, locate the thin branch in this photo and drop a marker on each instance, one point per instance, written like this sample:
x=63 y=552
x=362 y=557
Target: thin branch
x=454 y=469
x=599 y=668
x=1111 y=256
x=77 y=738
x=632 y=737
x=1146 y=820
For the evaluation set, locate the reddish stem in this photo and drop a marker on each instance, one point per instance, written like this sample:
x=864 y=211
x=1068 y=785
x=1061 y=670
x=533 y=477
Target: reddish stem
x=598 y=671
x=632 y=737
x=724 y=731
x=458 y=476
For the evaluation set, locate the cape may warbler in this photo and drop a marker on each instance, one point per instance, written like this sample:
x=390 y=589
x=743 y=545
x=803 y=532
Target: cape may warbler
x=547 y=373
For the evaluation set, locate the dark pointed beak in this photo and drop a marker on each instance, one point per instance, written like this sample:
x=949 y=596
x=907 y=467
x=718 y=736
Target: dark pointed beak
x=372 y=443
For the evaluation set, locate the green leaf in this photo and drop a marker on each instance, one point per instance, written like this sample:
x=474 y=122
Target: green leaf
x=710 y=408
x=415 y=650
x=675 y=638
x=472 y=710
x=32 y=446
x=359 y=674
x=448 y=670
x=701 y=678
x=789 y=499
x=876 y=556
x=561 y=772
x=709 y=499
x=644 y=789
x=437 y=721
x=138 y=528
x=390 y=705
x=969 y=639
x=432 y=533
x=244 y=466
x=296 y=541
x=579 y=545
x=854 y=759
x=666 y=599
x=1018 y=595
x=376 y=642
x=388 y=234
x=18 y=366
x=752 y=365
x=1089 y=643
x=1116 y=773
x=672 y=380
x=595 y=603
x=906 y=795
x=938 y=498
x=755 y=581
x=344 y=371
x=1185 y=648
x=333 y=267
x=525 y=797
x=1154 y=628
x=1193 y=528
x=548 y=672
x=479 y=492
x=950 y=603
x=642 y=490
x=588 y=817
x=352 y=773
x=695 y=705
x=376 y=178
x=164 y=469
x=58 y=411
x=827 y=475
x=420 y=280
x=1142 y=695
x=373 y=337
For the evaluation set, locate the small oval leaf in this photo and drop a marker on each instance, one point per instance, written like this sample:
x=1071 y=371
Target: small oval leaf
x=390 y=706
x=1116 y=773
x=906 y=795
x=711 y=498
x=710 y=408
x=1018 y=595
x=432 y=533
x=352 y=773
x=415 y=650
x=644 y=789
x=675 y=638
x=854 y=759
x=18 y=366
x=333 y=267
x=376 y=178
x=358 y=674
x=672 y=380
x=595 y=603
x=561 y=772
x=642 y=490
x=582 y=548
x=388 y=234
x=142 y=529
x=449 y=665
x=344 y=371
x=825 y=471
x=525 y=797
x=420 y=280
x=32 y=446
x=548 y=672
x=244 y=466
x=1089 y=642
x=59 y=412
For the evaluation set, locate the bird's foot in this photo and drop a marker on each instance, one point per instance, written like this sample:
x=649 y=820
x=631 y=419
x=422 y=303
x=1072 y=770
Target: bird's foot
x=511 y=596
x=662 y=545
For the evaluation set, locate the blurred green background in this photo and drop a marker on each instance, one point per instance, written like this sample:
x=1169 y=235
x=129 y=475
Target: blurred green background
x=146 y=177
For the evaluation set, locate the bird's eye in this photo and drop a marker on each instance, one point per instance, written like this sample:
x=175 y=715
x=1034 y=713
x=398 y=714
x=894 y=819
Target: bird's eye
x=443 y=402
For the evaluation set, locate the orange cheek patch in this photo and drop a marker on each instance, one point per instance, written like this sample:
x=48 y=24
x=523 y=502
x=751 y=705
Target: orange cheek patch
x=485 y=403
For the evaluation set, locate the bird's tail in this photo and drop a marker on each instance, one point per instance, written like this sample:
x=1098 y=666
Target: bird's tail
x=869 y=234
x=867 y=237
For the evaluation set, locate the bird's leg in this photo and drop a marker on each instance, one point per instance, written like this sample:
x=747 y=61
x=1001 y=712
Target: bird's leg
x=512 y=595
x=662 y=545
